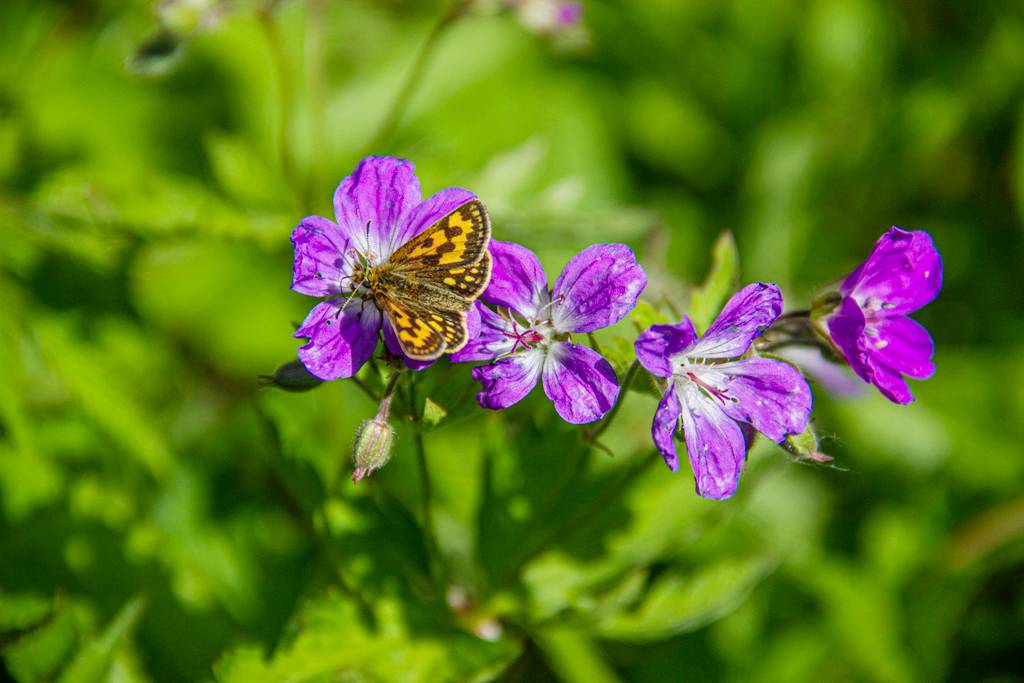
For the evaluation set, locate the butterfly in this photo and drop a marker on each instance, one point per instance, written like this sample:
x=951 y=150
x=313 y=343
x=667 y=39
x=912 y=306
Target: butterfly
x=429 y=283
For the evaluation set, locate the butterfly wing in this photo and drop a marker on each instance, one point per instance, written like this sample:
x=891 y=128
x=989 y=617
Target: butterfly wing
x=456 y=241
x=418 y=339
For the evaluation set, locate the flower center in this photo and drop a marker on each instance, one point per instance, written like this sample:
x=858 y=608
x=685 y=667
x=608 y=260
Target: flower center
x=696 y=372
x=527 y=337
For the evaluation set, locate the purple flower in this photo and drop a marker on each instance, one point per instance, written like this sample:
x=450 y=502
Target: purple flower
x=714 y=394
x=570 y=13
x=378 y=208
x=548 y=16
x=869 y=325
x=597 y=288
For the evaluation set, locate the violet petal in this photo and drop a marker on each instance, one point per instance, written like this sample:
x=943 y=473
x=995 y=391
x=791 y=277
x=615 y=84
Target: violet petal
x=890 y=383
x=507 y=381
x=658 y=344
x=714 y=444
x=372 y=204
x=770 y=394
x=902 y=274
x=338 y=344
x=517 y=280
x=320 y=261
x=597 y=288
x=846 y=328
x=903 y=345
x=663 y=428
x=580 y=382
x=746 y=315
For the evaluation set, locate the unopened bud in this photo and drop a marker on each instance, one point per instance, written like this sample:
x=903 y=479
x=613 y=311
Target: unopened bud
x=372 y=448
x=805 y=445
x=292 y=376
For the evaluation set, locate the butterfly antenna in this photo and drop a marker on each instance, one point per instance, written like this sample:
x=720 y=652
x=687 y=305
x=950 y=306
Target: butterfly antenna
x=348 y=300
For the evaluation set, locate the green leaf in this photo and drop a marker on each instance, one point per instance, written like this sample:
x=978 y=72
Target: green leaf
x=432 y=412
x=681 y=601
x=22 y=615
x=722 y=280
x=98 y=385
x=448 y=393
x=333 y=642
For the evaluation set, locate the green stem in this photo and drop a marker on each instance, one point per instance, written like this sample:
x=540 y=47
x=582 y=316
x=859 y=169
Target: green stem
x=394 y=114
x=425 y=486
x=631 y=374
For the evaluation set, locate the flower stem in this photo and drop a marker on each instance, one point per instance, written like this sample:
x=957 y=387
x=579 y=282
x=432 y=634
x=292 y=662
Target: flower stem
x=394 y=114
x=591 y=436
x=425 y=486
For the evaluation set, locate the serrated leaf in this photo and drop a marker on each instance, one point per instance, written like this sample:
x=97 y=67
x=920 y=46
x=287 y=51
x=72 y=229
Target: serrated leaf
x=707 y=299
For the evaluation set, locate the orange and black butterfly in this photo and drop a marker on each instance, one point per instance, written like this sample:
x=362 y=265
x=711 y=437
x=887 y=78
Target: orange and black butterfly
x=429 y=283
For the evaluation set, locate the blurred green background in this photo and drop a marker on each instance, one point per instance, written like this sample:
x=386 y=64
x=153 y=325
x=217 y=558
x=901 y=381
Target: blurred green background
x=162 y=518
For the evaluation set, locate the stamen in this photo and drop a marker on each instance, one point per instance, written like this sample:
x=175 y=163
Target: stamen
x=556 y=300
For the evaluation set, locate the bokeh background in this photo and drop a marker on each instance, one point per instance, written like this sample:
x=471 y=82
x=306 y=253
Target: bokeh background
x=163 y=518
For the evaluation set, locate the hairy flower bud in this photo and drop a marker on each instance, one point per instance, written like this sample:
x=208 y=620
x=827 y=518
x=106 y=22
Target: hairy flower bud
x=372 y=448
x=374 y=439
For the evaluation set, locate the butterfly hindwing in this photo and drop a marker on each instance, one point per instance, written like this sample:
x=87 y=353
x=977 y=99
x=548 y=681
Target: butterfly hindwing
x=419 y=339
x=459 y=239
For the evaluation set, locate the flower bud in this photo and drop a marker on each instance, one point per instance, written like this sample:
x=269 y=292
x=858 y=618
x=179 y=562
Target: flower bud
x=805 y=445
x=372 y=447
x=292 y=376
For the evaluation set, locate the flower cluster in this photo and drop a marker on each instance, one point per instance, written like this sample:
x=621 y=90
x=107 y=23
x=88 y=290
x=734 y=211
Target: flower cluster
x=720 y=388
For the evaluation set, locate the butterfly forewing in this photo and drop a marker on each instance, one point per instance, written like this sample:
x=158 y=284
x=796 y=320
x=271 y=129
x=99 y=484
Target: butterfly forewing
x=459 y=239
